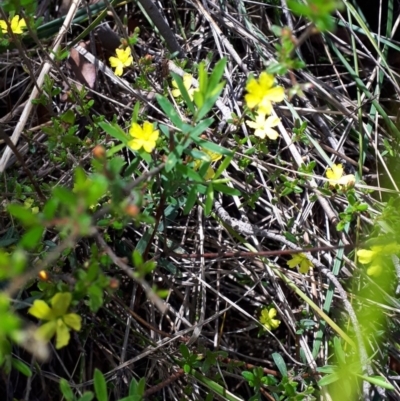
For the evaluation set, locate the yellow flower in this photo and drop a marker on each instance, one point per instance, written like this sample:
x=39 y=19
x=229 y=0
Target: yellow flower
x=377 y=256
x=301 y=260
x=261 y=93
x=213 y=157
x=263 y=127
x=145 y=137
x=336 y=177
x=187 y=83
x=124 y=59
x=267 y=319
x=59 y=321
x=16 y=25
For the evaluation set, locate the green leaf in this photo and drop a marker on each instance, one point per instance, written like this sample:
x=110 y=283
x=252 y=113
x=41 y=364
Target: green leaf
x=25 y=216
x=213 y=147
x=249 y=376
x=66 y=390
x=32 y=237
x=209 y=102
x=96 y=190
x=170 y=111
x=131 y=398
x=21 y=367
x=216 y=76
x=332 y=378
x=115 y=149
x=203 y=78
x=135 y=113
x=136 y=388
x=362 y=207
x=100 y=386
x=198 y=98
x=87 y=396
x=223 y=166
x=68 y=117
x=327 y=369
x=339 y=353
x=184 y=351
x=115 y=131
x=50 y=208
x=280 y=364
x=65 y=196
x=137 y=258
x=188 y=172
x=209 y=200
x=196 y=131
x=377 y=381
x=171 y=161
x=191 y=200
x=184 y=93
x=226 y=190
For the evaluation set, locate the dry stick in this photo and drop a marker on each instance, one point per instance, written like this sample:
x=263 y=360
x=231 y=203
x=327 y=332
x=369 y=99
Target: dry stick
x=45 y=70
x=155 y=389
x=19 y=157
x=241 y=254
x=165 y=31
x=151 y=295
x=249 y=229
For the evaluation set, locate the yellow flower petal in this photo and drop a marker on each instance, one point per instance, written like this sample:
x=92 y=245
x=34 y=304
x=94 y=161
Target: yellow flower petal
x=3 y=26
x=47 y=330
x=271 y=134
x=123 y=59
x=335 y=172
x=265 y=106
x=213 y=155
x=266 y=80
x=347 y=180
x=276 y=94
x=136 y=130
x=117 y=64
x=209 y=174
x=41 y=310
x=187 y=81
x=175 y=92
x=267 y=319
x=73 y=320
x=124 y=55
x=252 y=124
x=296 y=260
x=148 y=128
x=145 y=137
x=260 y=133
x=374 y=270
x=63 y=335
x=302 y=261
x=273 y=121
x=60 y=303
x=149 y=145
x=17 y=24
x=252 y=100
x=262 y=93
x=135 y=144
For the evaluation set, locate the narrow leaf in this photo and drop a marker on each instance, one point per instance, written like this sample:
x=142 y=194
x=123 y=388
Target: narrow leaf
x=280 y=364
x=100 y=386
